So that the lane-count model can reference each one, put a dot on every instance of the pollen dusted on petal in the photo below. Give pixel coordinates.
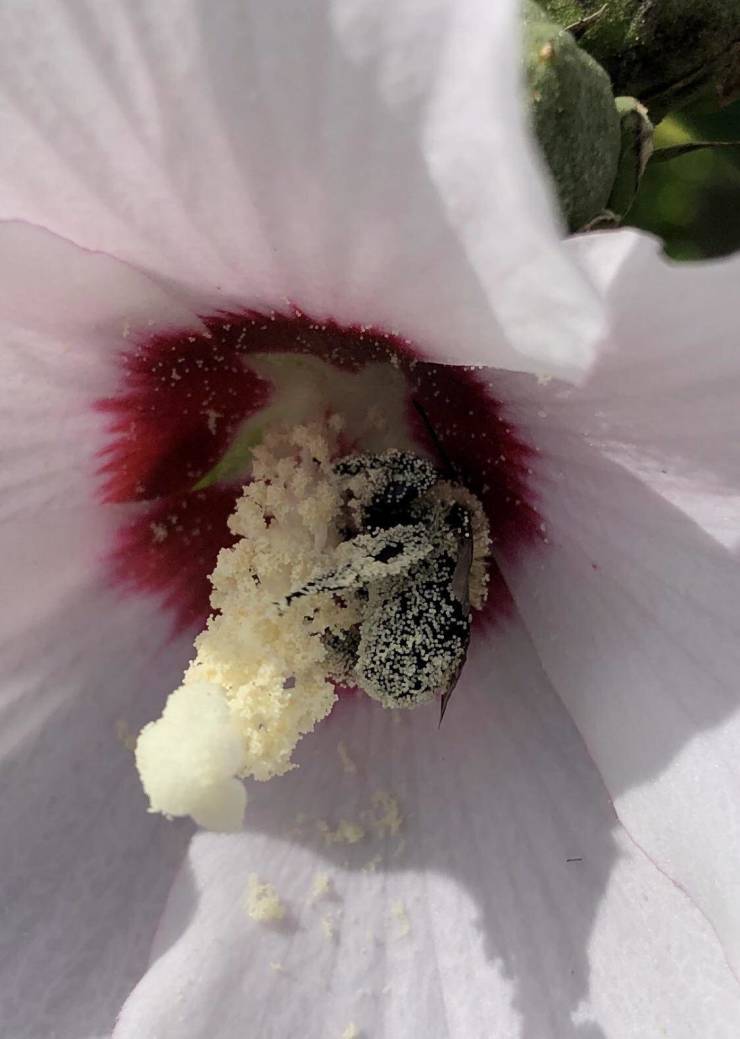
(262, 901)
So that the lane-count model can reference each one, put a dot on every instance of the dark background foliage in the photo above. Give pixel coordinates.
(693, 202)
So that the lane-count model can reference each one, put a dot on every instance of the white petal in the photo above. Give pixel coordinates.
(84, 868)
(368, 160)
(634, 606)
(470, 921)
(666, 392)
(65, 315)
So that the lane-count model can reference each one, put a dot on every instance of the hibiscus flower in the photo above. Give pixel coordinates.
(349, 181)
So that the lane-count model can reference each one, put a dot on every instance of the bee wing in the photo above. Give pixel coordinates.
(461, 576)
(460, 587)
(447, 693)
(368, 557)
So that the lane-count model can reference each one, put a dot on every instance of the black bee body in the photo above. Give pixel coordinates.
(406, 552)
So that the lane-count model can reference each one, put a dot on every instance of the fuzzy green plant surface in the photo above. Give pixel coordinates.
(574, 117)
(666, 53)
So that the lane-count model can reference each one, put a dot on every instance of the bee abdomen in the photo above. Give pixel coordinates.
(414, 636)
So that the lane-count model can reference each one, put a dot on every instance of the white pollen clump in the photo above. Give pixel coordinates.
(263, 902)
(351, 1031)
(258, 681)
(187, 759)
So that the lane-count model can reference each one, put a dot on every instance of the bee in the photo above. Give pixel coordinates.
(405, 553)
(460, 585)
(460, 588)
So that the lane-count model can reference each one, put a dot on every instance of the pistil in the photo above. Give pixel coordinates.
(358, 570)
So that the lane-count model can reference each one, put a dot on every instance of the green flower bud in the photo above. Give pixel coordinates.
(574, 116)
(666, 53)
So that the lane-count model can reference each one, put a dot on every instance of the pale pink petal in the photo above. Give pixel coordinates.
(85, 869)
(667, 383)
(367, 160)
(65, 317)
(634, 605)
(470, 921)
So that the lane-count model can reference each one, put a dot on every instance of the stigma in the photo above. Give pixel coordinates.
(349, 569)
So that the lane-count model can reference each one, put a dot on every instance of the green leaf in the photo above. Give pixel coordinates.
(677, 150)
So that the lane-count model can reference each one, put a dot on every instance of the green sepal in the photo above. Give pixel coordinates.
(236, 462)
(574, 117)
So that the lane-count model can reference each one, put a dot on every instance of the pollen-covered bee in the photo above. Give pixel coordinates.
(406, 552)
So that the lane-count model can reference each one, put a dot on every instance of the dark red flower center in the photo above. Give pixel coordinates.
(184, 397)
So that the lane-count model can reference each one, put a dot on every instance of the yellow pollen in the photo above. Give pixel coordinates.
(347, 832)
(262, 901)
(321, 887)
(385, 818)
(258, 681)
(399, 914)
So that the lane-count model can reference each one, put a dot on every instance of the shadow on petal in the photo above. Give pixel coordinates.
(86, 872)
(509, 852)
(487, 812)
